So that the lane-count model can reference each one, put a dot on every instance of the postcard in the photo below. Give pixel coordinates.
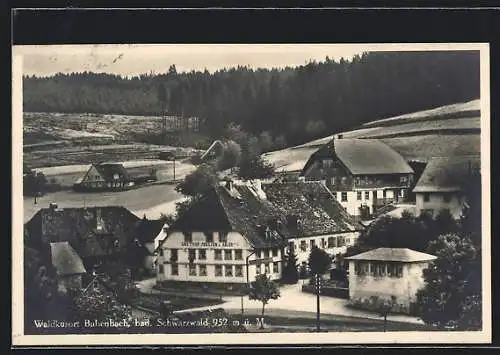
(251, 194)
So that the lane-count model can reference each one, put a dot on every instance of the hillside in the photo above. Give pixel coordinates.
(442, 131)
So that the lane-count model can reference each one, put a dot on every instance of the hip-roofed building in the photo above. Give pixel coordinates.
(364, 174)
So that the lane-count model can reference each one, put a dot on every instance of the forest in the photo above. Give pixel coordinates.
(294, 104)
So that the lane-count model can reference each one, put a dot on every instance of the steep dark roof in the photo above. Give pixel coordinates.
(363, 156)
(148, 229)
(446, 174)
(107, 170)
(241, 209)
(314, 206)
(65, 259)
(393, 254)
(80, 227)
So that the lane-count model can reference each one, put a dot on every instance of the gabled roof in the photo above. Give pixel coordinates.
(447, 174)
(243, 209)
(148, 229)
(393, 254)
(108, 170)
(65, 259)
(363, 156)
(91, 231)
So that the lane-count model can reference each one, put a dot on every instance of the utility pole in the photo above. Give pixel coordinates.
(174, 167)
(318, 285)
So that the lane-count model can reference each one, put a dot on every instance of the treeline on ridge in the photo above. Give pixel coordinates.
(300, 103)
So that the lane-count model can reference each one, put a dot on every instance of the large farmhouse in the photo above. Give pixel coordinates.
(441, 185)
(387, 275)
(240, 230)
(365, 174)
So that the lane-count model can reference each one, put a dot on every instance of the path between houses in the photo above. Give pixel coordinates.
(292, 301)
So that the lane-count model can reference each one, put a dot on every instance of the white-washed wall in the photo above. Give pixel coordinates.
(437, 202)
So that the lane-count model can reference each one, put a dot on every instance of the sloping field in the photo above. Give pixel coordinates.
(444, 131)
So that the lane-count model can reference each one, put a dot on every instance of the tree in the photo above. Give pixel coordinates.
(319, 263)
(266, 141)
(231, 156)
(452, 292)
(290, 271)
(386, 307)
(255, 168)
(199, 182)
(263, 289)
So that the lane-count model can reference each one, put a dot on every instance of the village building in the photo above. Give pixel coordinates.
(387, 275)
(97, 234)
(364, 174)
(213, 152)
(68, 266)
(146, 235)
(104, 177)
(441, 185)
(242, 229)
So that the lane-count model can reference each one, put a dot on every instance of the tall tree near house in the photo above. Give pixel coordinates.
(290, 271)
(319, 263)
(231, 156)
(263, 289)
(255, 168)
(199, 182)
(452, 292)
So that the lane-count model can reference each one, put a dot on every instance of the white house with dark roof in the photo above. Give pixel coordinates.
(240, 230)
(364, 174)
(442, 182)
(68, 265)
(387, 274)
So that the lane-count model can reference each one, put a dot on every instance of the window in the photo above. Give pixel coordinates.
(359, 195)
(347, 241)
(332, 181)
(447, 198)
(192, 255)
(202, 254)
(175, 269)
(367, 195)
(209, 237)
(203, 270)
(403, 179)
(173, 255)
(238, 254)
(266, 254)
(323, 243)
(238, 271)
(312, 243)
(218, 254)
(267, 268)
(291, 246)
(257, 269)
(218, 270)
(223, 237)
(344, 197)
(331, 242)
(275, 252)
(303, 245)
(192, 270)
(379, 270)
(161, 269)
(228, 255)
(188, 237)
(276, 269)
(426, 197)
(161, 252)
(229, 270)
(340, 241)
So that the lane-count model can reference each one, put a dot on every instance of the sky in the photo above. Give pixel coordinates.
(129, 60)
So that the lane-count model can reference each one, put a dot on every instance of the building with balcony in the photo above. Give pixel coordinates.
(242, 229)
(364, 174)
(441, 186)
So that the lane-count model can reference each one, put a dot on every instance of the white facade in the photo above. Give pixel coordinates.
(333, 244)
(218, 258)
(433, 202)
(371, 283)
(352, 200)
